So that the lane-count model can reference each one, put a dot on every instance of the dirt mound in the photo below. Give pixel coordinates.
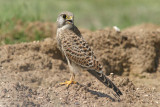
(30, 73)
(143, 27)
(126, 51)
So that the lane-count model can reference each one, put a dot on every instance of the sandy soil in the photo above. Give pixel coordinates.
(30, 73)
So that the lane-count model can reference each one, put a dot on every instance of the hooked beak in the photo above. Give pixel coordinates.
(69, 19)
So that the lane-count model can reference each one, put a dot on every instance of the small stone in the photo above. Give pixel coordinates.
(146, 95)
(116, 28)
(77, 103)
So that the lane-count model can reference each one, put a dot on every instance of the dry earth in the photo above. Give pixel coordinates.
(30, 73)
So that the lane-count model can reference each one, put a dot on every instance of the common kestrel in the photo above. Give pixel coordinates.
(77, 51)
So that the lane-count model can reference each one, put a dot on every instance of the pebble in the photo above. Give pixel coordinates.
(77, 103)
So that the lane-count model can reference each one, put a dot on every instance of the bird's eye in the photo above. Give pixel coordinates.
(64, 16)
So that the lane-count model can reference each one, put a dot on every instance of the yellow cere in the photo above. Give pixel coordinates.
(69, 17)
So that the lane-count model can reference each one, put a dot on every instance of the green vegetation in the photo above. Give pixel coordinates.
(90, 14)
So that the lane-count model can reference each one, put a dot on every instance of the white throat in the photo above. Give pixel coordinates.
(65, 27)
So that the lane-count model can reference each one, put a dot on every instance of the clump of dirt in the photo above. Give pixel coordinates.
(128, 51)
(143, 27)
(30, 73)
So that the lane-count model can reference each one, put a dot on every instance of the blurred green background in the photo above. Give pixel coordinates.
(90, 14)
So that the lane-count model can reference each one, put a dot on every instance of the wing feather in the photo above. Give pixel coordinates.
(78, 51)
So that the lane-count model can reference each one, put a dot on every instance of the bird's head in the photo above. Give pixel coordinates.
(65, 19)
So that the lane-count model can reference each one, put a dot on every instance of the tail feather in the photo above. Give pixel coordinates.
(106, 81)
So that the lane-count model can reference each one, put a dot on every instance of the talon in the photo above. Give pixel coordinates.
(69, 82)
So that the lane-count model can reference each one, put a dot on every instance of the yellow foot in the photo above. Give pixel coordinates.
(68, 82)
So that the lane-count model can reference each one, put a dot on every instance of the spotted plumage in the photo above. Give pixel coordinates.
(77, 51)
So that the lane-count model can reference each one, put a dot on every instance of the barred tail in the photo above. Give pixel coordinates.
(106, 81)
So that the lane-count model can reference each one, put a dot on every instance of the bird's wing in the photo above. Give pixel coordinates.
(78, 51)
(76, 30)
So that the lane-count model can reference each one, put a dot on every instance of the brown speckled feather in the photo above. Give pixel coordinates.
(77, 50)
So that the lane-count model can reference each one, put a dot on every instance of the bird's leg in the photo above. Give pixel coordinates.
(71, 81)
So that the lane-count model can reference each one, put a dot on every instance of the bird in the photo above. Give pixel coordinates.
(77, 51)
